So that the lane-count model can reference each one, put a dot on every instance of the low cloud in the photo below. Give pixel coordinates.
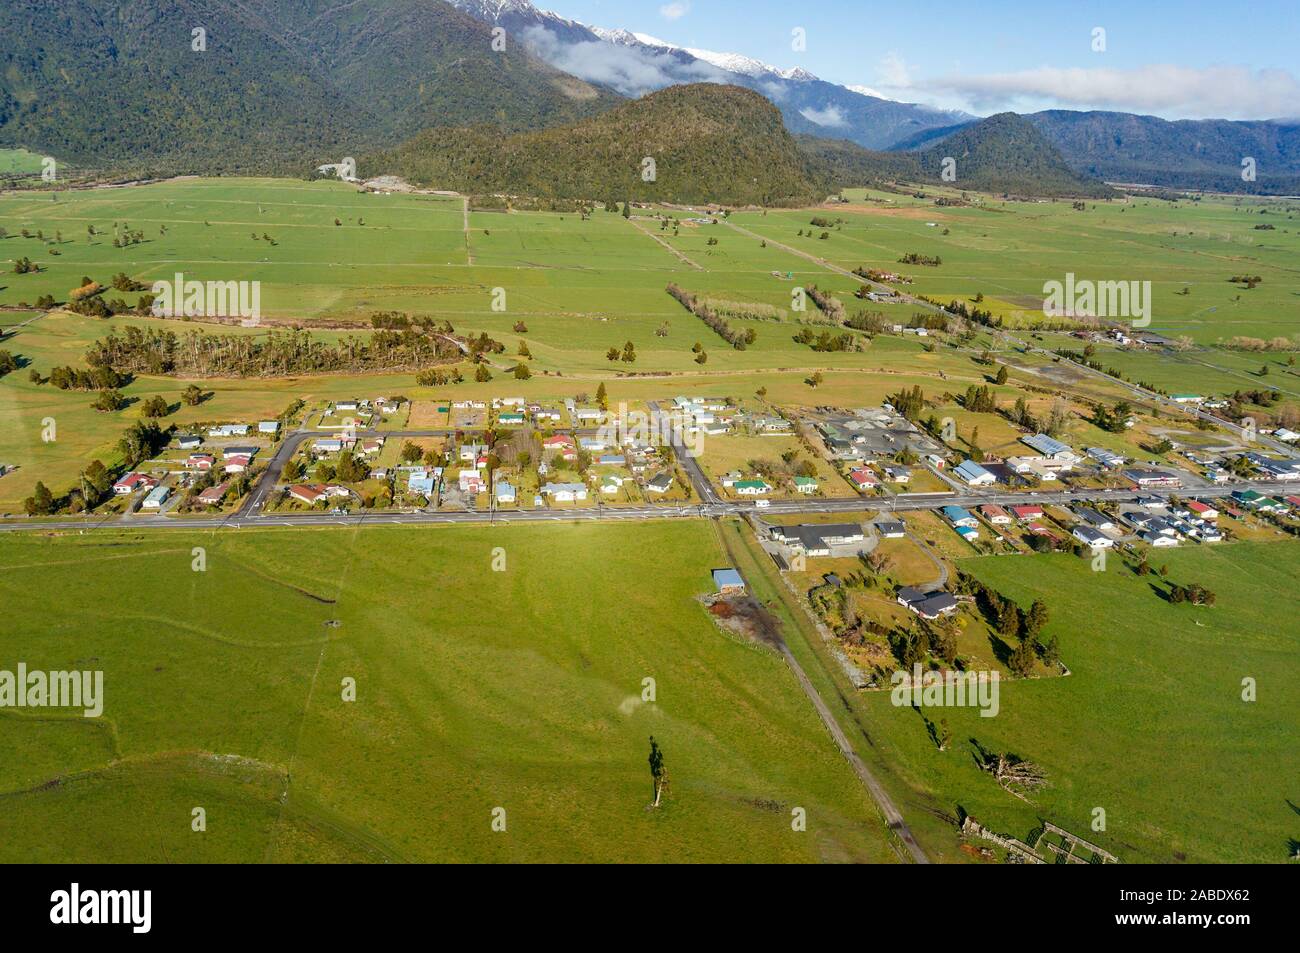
(632, 71)
(829, 116)
(1230, 92)
(893, 72)
(675, 11)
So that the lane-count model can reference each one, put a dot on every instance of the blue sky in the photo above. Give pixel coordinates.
(1189, 59)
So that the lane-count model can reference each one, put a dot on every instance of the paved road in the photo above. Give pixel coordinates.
(716, 508)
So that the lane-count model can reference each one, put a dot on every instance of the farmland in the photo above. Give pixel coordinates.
(1150, 725)
(222, 690)
(520, 689)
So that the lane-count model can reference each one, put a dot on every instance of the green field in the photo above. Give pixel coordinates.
(1150, 725)
(19, 161)
(475, 690)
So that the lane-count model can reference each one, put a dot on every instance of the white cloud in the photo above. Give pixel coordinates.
(893, 72)
(675, 10)
(1230, 92)
(829, 116)
(630, 70)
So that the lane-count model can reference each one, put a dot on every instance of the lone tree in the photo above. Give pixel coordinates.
(657, 770)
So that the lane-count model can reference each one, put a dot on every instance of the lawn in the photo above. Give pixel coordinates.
(476, 689)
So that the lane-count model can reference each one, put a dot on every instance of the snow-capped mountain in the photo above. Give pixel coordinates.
(633, 64)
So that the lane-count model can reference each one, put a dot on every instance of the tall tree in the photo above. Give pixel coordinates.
(657, 770)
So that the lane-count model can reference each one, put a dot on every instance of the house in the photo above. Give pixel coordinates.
(233, 451)
(268, 426)
(728, 582)
(934, 605)
(1027, 513)
(1091, 537)
(345, 406)
(588, 415)
(558, 441)
(891, 529)
(906, 595)
(930, 605)
(959, 516)
(511, 418)
(611, 484)
(967, 533)
(898, 474)
(592, 444)
(200, 461)
(156, 497)
(995, 514)
(1095, 517)
(1145, 478)
(327, 445)
(818, 539)
(1283, 433)
(1203, 510)
(805, 485)
(213, 495)
(546, 415)
(1188, 398)
(936, 461)
(472, 481)
(237, 464)
(565, 492)
(422, 482)
(379, 473)
(770, 425)
(309, 493)
(1159, 540)
(132, 482)
(313, 493)
(863, 478)
(751, 487)
(505, 492)
(1247, 498)
(660, 483)
(228, 430)
(1045, 468)
(1108, 459)
(612, 459)
(470, 452)
(371, 446)
(974, 474)
(1050, 448)
(188, 441)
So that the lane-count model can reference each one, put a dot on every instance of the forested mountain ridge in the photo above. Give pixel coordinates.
(707, 142)
(1001, 154)
(269, 86)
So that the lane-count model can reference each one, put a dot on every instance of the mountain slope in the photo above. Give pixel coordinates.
(634, 63)
(709, 143)
(1204, 154)
(1002, 154)
(281, 86)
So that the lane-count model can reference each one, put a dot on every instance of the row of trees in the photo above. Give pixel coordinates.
(701, 309)
(200, 354)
